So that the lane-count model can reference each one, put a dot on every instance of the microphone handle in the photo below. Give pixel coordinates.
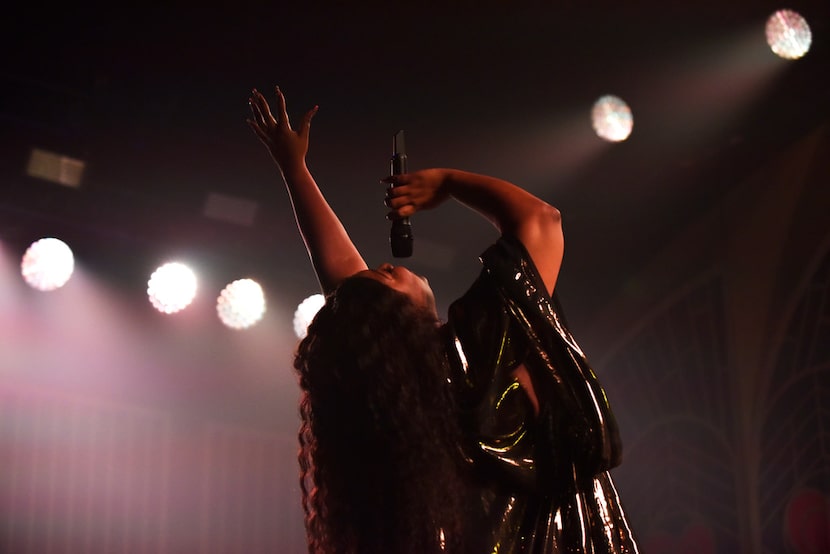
(400, 237)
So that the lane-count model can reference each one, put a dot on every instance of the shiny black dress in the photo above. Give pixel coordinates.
(544, 480)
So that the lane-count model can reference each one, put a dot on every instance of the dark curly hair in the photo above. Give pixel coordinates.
(379, 439)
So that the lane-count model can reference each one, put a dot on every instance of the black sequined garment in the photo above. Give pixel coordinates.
(544, 479)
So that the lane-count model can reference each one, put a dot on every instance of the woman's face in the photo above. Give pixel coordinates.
(404, 281)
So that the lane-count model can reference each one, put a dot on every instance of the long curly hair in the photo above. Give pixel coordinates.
(379, 439)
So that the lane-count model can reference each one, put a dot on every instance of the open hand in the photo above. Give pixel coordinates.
(287, 147)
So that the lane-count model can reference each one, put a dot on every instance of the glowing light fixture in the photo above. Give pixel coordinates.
(241, 304)
(612, 119)
(47, 264)
(171, 287)
(305, 313)
(788, 34)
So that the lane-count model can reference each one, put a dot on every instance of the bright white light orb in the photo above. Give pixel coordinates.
(172, 287)
(306, 311)
(241, 304)
(612, 119)
(47, 264)
(788, 34)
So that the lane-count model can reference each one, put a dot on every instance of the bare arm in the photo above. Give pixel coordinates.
(333, 254)
(513, 210)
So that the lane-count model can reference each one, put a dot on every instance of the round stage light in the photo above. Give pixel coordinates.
(305, 313)
(241, 304)
(788, 34)
(172, 287)
(47, 264)
(611, 118)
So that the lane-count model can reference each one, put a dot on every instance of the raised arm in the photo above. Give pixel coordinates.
(333, 254)
(513, 210)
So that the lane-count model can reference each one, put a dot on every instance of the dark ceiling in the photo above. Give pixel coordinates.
(154, 100)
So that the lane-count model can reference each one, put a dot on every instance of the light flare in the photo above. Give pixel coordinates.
(612, 119)
(47, 264)
(788, 34)
(172, 287)
(241, 304)
(305, 313)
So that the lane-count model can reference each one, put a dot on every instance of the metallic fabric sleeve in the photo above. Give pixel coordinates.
(544, 482)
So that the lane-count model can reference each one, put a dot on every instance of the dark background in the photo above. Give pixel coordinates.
(154, 99)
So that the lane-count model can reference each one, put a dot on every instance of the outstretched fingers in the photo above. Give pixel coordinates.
(282, 112)
(305, 127)
(256, 110)
(260, 109)
(257, 129)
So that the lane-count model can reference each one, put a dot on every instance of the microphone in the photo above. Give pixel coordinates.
(400, 237)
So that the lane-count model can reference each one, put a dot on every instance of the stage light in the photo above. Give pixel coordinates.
(171, 287)
(788, 34)
(47, 264)
(306, 311)
(241, 304)
(612, 119)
